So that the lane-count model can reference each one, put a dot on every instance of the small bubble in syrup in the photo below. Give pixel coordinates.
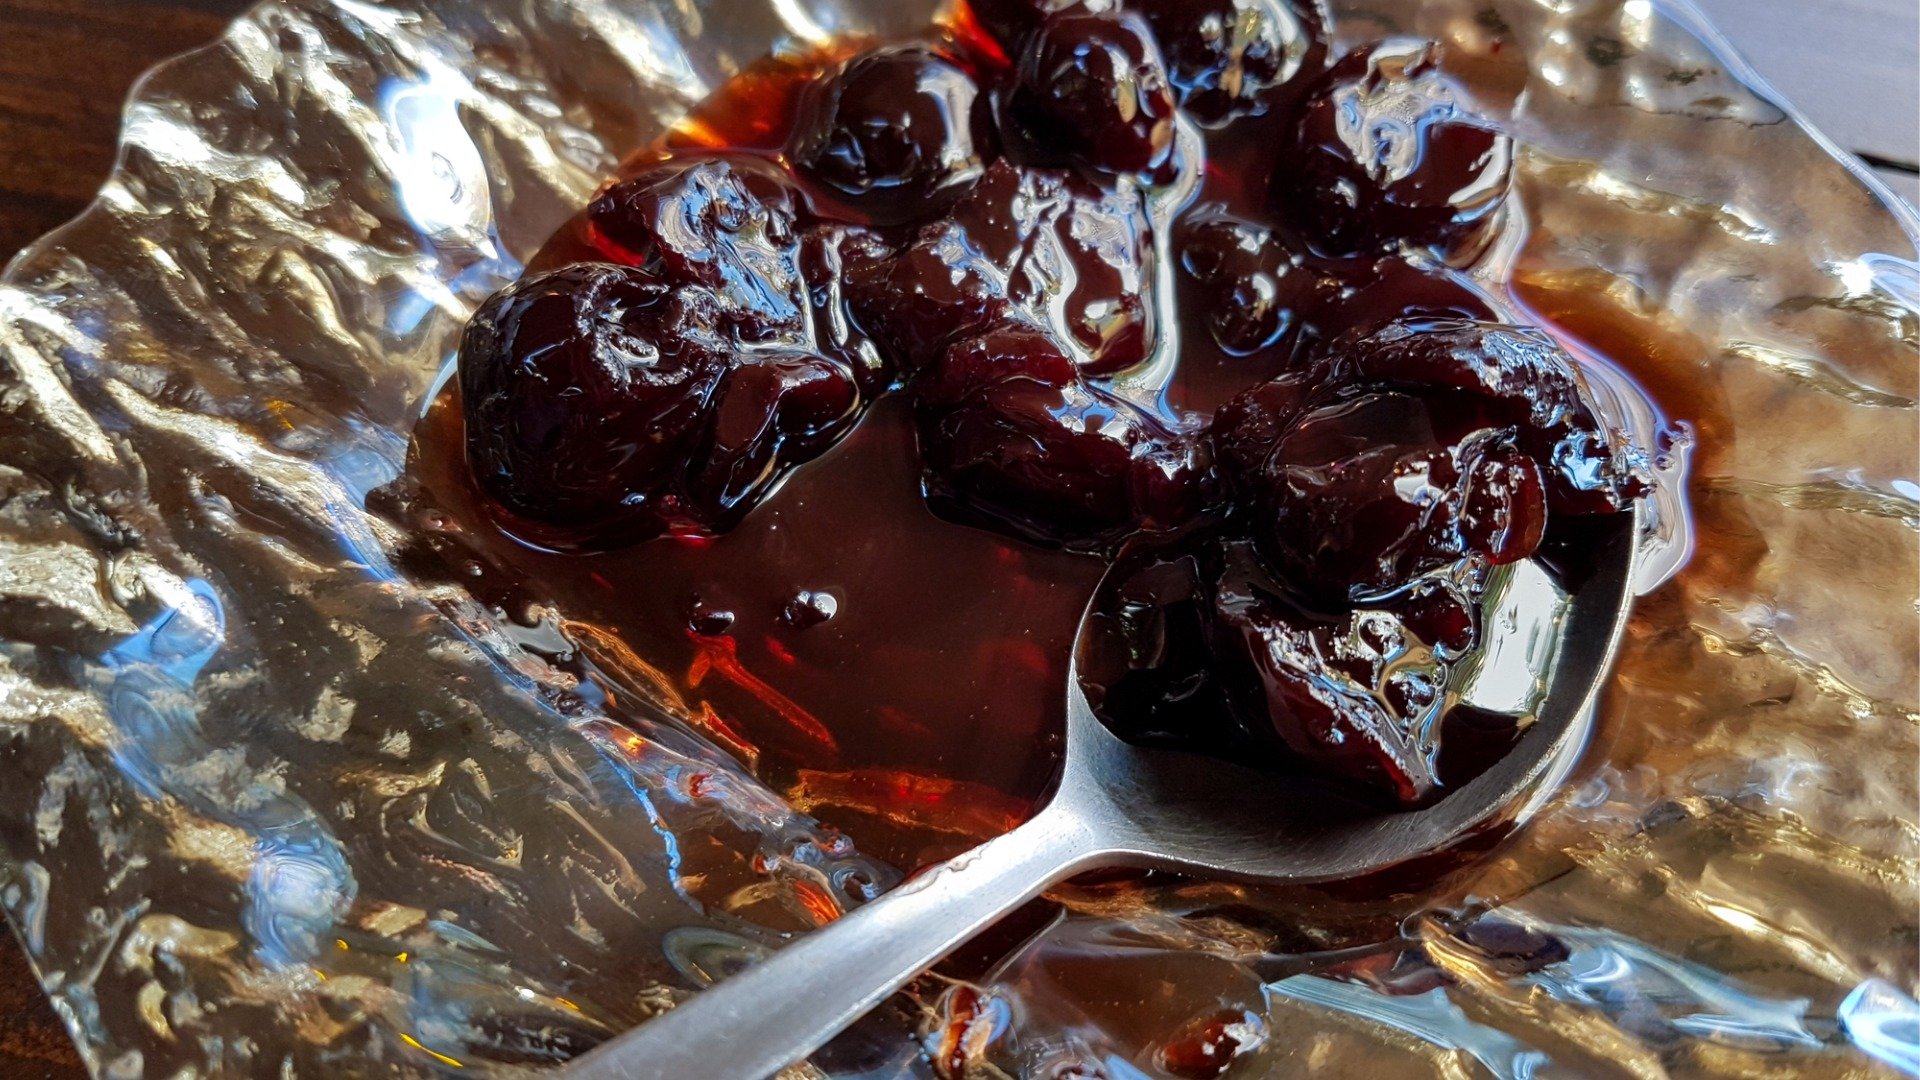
(808, 609)
(708, 621)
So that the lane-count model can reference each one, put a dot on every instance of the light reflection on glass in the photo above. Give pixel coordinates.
(1430, 1017)
(1646, 990)
(1885, 1023)
(300, 884)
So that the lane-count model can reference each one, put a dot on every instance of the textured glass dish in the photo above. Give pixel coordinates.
(271, 808)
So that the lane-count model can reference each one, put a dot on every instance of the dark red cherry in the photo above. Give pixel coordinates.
(1386, 155)
(1013, 350)
(1258, 293)
(1354, 296)
(1247, 428)
(584, 389)
(1503, 514)
(1226, 57)
(734, 225)
(898, 134)
(1364, 493)
(1254, 285)
(772, 410)
(1042, 245)
(1093, 87)
(605, 403)
(829, 256)
(1525, 379)
(1415, 445)
(725, 223)
(1357, 696)
(1012, 436)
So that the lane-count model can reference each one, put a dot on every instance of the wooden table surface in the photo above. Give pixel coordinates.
(1851, 64)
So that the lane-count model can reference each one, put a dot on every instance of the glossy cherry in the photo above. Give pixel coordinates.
(1525, 379)
(1358, 695)
(897, 134)
(1416, 445)
(1257, 292)
(1254, 286)
(1092, 86)
(773, 409)
(729, 224)
(585, 388)
(1011, 433)
(609, 402)
(829, 257)
(1386, 155)
(1366, 492)
(1044, 246)
(1228, 57)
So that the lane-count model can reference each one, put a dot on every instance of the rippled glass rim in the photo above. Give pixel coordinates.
(1689, 15)
(1682, 12)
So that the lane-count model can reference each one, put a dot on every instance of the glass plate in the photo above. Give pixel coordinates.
(271, 807)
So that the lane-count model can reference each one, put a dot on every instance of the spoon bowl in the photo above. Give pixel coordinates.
(1178, 811)
(1121, 805)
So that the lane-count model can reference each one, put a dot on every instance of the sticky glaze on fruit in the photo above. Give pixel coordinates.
(1234, 58)
(1048, 247)
(1014, 432)
(1091, 87)
(1308, 481)
(898, 134)
(1386, 155)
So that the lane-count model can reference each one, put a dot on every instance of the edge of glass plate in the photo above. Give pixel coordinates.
(1683, 12)
(1695, 21)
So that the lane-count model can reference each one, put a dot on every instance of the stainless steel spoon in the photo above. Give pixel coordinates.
(1119, 805)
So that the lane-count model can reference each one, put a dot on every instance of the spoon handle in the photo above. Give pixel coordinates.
(787, 1005)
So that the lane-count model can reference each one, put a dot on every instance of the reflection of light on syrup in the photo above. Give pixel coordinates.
(1623, 366)
(754, 113)
(721, 655)
(948, 806)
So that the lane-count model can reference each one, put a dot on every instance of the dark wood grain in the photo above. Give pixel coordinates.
(64, 75)
(65, 71)
(32, 1041)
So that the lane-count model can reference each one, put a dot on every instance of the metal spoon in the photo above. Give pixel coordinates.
(1120, 805)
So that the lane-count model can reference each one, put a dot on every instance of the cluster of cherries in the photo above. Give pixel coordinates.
(976, 222)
